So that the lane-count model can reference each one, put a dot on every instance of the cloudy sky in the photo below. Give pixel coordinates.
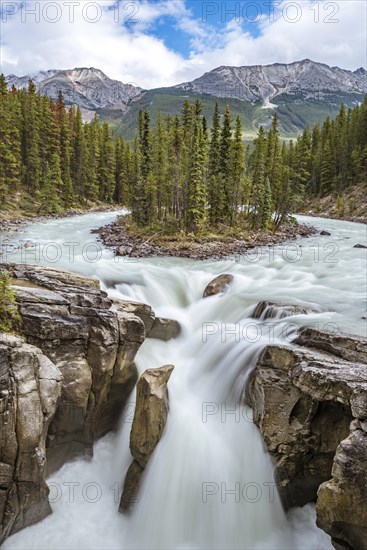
(156, 43)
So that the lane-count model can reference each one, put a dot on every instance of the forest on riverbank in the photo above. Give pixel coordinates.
(184, 174)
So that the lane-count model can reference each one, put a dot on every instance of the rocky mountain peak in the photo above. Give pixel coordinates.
(90, 88)
(305, 80)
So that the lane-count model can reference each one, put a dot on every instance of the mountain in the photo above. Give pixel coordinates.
(89, 88)
(303, 92)
(302, 80)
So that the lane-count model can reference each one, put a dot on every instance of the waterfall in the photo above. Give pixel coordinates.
(209, 483)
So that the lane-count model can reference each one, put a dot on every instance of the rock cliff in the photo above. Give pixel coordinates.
(310, 404)
(30, 390)
(93, 343)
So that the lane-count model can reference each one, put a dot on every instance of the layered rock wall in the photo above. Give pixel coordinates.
(93, 343)
(310, 404)
(30, 391)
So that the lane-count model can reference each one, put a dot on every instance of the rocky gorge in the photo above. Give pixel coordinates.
(66, 379)
(64, 382)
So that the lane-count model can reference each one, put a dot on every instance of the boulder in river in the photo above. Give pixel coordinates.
(270, 310)
(218, 285)
(143, 311)
(149, 421)
(164, 329)
(124, 250)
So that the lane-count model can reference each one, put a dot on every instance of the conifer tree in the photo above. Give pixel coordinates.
(258, 178)
(225, 191)
(238, 168)
(327, 179)
(159, 168)
(10, 159)
(265, 207)
(107, 164)
(65, 151)
(78, 153)
(49, 194)
(196, 190)
(31, 140)
(273, 164)
(120, 194)
(214, 169)
(175, 169)
(178, 174)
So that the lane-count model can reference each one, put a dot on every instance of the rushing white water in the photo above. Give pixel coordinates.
(209, 483)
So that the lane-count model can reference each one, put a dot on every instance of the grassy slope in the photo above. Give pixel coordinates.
(353, 205)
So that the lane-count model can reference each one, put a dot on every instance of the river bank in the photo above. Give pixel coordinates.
(15, 222)
(118, 236)
(333, 216)
(350, 207)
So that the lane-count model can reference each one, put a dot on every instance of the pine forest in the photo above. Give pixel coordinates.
(185, 173)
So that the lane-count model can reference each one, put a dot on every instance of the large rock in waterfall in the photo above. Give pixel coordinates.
(155, 327)
(270, 310)
(218, 285)
(310, 404)
(30, 390)
(149, 421)
(164, 329)
(143, 311)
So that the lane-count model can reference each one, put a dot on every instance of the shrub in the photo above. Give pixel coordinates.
(9, 316)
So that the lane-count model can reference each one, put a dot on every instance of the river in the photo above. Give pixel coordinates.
(209, 483)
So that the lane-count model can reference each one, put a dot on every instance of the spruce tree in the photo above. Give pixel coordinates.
(10, 145)
(65, 152)
(265, 206)
(160, 168)
(214, 169)
(225, 191)
(239, 183)
(196, 193)
(78, 153)
(31, 140)
(49, 194)
(120, 194)
(258, 178)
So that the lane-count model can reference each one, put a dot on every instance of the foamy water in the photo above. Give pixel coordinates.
(209, 483)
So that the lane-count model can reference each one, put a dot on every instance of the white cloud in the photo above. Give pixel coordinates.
(133, 54)
(333, 36)
(107, 44)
